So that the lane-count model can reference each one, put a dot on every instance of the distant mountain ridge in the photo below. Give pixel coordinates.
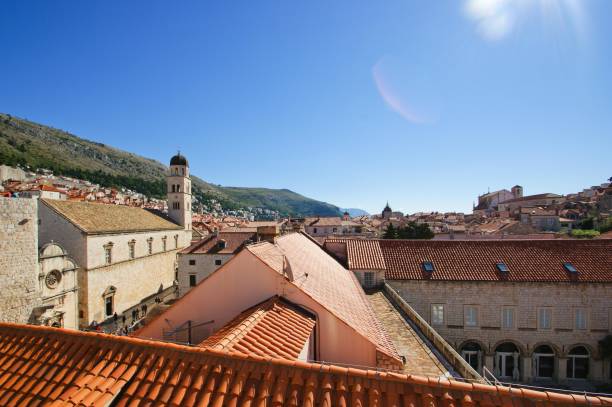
(23, 142)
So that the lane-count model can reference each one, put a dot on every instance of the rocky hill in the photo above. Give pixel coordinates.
(26, 143)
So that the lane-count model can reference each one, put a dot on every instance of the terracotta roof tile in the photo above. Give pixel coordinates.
(49, 366)
(362, 254)
(327, 282)
(274, 328)
(234, 241)
(527, 260)
(102, 218)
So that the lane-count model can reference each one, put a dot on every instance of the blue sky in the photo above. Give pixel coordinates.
(425, 104)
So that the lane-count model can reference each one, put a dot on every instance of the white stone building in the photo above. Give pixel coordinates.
(125, 254)
(527, 311)
(202, 258)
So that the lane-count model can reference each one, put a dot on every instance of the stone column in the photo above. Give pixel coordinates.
(561, 370)
(488, 362)
(596, 370)
(526, 369)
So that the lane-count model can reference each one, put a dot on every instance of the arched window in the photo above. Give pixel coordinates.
(472, 353)
(507, 361)
(150, 245)
(578, 363)
(543, 362)
(176, 241)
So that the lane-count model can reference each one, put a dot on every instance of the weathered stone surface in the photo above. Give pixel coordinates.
(19, 293)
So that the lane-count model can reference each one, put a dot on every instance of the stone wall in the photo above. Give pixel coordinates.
(203, 267)
(18, 259)
(133, 280)
(489, 298)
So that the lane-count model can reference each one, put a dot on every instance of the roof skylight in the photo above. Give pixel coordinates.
(428, 266)
(503, 267)
(570, 267)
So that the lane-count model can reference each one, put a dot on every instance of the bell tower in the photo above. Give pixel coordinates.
(179, 191)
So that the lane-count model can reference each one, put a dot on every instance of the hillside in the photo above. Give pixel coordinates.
(26, 143)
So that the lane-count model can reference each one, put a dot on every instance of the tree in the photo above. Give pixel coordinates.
(390, 232)
(410, 231)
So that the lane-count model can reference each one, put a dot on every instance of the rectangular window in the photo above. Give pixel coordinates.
(164, 243)
(471, 315)
(437, 314)
(108, 306)
(192, 280)
(176, 241)
(218, 262)
(108, 254)
(507, 317)
(544, 318)
(368, 279)
(192, 262)
(580, 318)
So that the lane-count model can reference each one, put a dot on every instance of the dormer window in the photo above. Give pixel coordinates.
(570, 267)
(502, 267)
(222, 244)
(428, 267)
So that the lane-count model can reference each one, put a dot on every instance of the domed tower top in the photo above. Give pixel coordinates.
(179, 159)
(386, 213)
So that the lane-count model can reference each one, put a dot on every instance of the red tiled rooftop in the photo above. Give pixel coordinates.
(527, 260)
(234, 241)
(274, 328)
(327, 282)
(51, 366)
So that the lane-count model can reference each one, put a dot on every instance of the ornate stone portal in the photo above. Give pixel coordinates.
(58, 287)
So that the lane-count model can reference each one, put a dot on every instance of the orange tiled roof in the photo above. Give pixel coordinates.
(275, 328)
(234, 242)
(475, 260)
(327, 282)
(330, 221)
(94, 218)
(41, 365)
(362, 254)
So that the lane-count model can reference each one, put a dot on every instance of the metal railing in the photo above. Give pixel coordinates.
(186, 330)
(486, 374)
(459, 363)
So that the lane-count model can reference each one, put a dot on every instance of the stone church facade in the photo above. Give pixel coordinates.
(124, 254)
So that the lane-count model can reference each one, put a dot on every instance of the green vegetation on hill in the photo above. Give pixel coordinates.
(25, 143)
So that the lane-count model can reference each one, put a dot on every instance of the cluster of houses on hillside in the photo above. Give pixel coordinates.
(19, 183)
(546, 212)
